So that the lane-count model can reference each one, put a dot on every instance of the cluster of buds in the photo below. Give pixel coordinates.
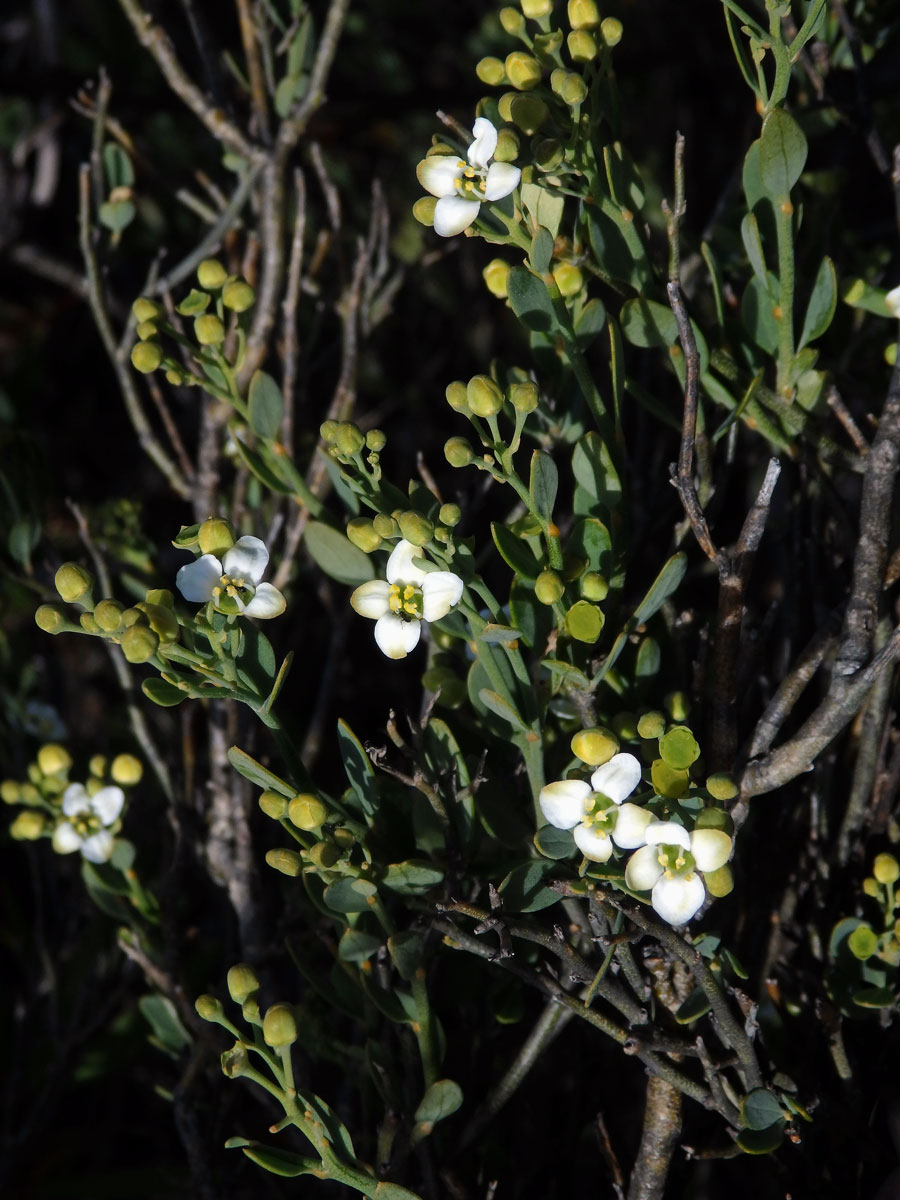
(346, 443)
(278, 1024)
(481, 401)
(864, 942)
(414, 527)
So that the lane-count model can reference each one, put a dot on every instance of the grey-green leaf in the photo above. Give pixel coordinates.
(336, 555)
(782, 153)
(544, 483)
(266, 405)
(822, 303)
(530, 300)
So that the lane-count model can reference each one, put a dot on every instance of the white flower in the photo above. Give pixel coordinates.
(409, 596)
(892, 301)
(462, 187)
(669, 866)
(233, 584)
(596, 810)
(90, 818)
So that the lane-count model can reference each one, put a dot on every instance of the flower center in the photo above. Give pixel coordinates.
(600, 813)
(470, 182)
(405, 599)
(232, 594)
(86, 824)
(675, 861)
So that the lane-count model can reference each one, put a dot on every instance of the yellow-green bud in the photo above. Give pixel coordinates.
(274, 805)
(496, 276)
(423, 210)
(886, 869)
(242, 982)
(97, 765)
(715, 818)
(594, 746)
(49, 618)
(512, 21)
(126, 770)
(569, 87)
(385, 526)
(457, 398)
(677, 705)
(528, 112)
(349, 439)
(146, 357)
(324, 854)
(9, 791)
(375, 440)
(535, 9)
(362, 534)
(507, 146)
(88, 624)
(73, 582)
(524, 396)
(594, 586)
(568, 278)
(28, 826)
(490, 71)
(484, 396)
(131, 616)
(211, 274)
(670, 782)
(209, 330)
(870, 887)
(280, 1026)
(28, 794)
(416, 528)
(215, 536)
(108, 615)
(52, 758)
(307, 811)
(611, 31)
(504, 105)
(523, 70)
(208, 1008)
(458, 452)
(161, 620)
(288, 862)
(582, 46)
(145, 309)
(450, 514)
(147, 330)
(139, 644)
(584, 622)
(34, 773)
(548, 154)
(328, 430)
(583, 14)
(548, 587)
(719, 882)
(652, 724)
(250, 1011)
(721, 786)
(238, 295)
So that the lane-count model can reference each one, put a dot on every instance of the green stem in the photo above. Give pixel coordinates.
(784, 226)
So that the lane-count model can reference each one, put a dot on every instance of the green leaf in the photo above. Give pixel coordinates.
(523, 888)
(441, 1100)
(589, 323)
(22, 538)
(276, 1161)
(649, 657)
(544, 205)
(256, 657)
(407, 951)
(613, 252)
(412, 877)
(567, 673)
(194, 303)
(590, 539)
(257, 465)
(760, 1109)
(782, 153)
(752, 177)
(357, 768)
(694, 1007)
(502, 634)
(593, 469)
(757, 316)
(166, 695)
(625, 183)
(648, 323)
(541, 251)
(543, 484)
(161, 1015)
(187, 537)
(554, 843)
(753, 245)
(117, 164)
(761, 1141)
(357, 946)
(530, 301)
(874, 997)
(528, 614)
(515, 551)
(258, 774)
(335, 554)
(350, 895)
(822, 303)
(266, 405)
(116, 215)
(502, 708)
(661, 589)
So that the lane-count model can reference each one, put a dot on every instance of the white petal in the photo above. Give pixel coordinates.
(676, 900)
(892, 301)
(711, 848)
(65, 840)
(396, 637)
(439, 174)
(482, 148)
(108, 803)
(501, 179)
(452, 215)
(617, 778)
(631, 824)
(267, 602)
(400, 567)
(562, 803)
(643, 869)
(98, 847)
(667, 833)
(592, 843)
(371, 599)
(196, 580)
(75, 800)
(441, 591)
(247, 559)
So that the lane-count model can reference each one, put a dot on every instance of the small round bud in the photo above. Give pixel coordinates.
(450, 514)
(523, 70)
(721, 786)
(504, 105)
(582, 46)
(871, 888)
(484, 396)
(250, 1011)
(126, 770)
(385, 526)
(161, 620)
(457, 398)
(215, 536)
(52, 758)
(146, 357)
(307, 811)
(274, 805)
(594, 586)
(132, 616)
(507, 146)
(28, 794)
(238, 295)
(528, 112)
(288, 862)
(886, 869)
(242, 982)
(375, 440)
(139, 644)
(49, 618)
(652, 725)
(677, 705)
(512, 21)
(548, 587)
(349, 439)
(594, 746)
(584, 622)
(611, 31)
(328, 431)
(490, 71)
(715, 818)
(524, 396)
(423, 210)
(362, 534)
(211, 274)
(458, 452)
(415, 528)
(147, 330)
(324, 855)
(280, 1026)
(208, 1008)
(570, 88)
(88, 624)
(108, 615)
(97, 765)
(535, 9)
(209, 330)
(145, 309)
(496, 276)
(73, 582)
(583, 14)
(28, 826)
(9, 791)
(719, 882)
(568, 278)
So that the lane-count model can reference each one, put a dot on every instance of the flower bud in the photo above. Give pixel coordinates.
(49, 618)
(139, 644)
(250, 1011)
(871, 888)
(211, 274)
(274, 805)
(375, 440)
(504, 105)
(583, 14)
(458, 452)
(132, 616)
(507, 146)
(594, 586)
(238, 295)
(52, 758)
(108, 615)
(721, 786)
(568, 278)
(415, 528)
(523, 70)
(208, 1008)
(484, 396)
(490, 71)
(582, 46)
(324, 854)
(496, 276)
(423, 210)
(456, 396)
(594, 746)
(349, 439)
(161, 620)
(328, 430)
(584, 622)
(715, 818)
(570, 88)
(886, 869)
(677, 705)
(535, 9)
(9, 791)
(146, 357)
(611, 31)
(528, 112)
(209, 330)
(307, 811)
(126, 770)
(362, 534)
(385, 526)
(87, 623)
(147, 330)
(145, 309)
(719, 882)
(548, 587)
(97, 765)
(28, 826)
(73, 582)
(450, 514)
(652, 725)
(280, 1026)
(512, 21)
(28, 794)
(242, 982)
(288, 862)
(524, 396)
(215, 536)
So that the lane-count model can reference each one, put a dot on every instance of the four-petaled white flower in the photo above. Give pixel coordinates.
(233, 585)
(669, 866)
(89, 819)
(597, 811)
(409, 596)
(462, 187)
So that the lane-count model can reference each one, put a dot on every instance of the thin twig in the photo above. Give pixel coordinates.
(289, 313)
(250, 42)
